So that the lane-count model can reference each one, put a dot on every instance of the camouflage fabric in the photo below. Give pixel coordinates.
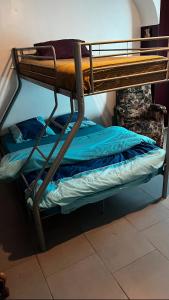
(135, 111)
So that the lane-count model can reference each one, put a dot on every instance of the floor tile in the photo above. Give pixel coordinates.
(116, 227)
(26, 281)
(148, 216)
(146, 278)
(65, 254)
(87, 279)
(165, 202)
(158, 234)
(118, 251)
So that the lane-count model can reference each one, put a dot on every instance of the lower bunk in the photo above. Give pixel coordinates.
(97, 165)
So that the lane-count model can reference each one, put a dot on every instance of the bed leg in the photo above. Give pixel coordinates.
(166, 167)
(165, 183)
(39, 229)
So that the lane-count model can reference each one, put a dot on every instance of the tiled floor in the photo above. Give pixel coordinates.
(121, 254)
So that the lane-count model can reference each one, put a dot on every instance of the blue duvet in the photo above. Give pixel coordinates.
(70, 170)
(107, 142)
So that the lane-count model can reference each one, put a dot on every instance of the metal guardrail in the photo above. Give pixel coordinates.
(125, 52)
(20, 52)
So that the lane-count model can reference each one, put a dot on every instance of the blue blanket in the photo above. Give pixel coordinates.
(69, 170)
(103, 143)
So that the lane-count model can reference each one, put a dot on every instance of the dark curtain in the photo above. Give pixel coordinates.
(162, 90)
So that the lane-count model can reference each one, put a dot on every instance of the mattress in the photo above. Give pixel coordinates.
(63, 77)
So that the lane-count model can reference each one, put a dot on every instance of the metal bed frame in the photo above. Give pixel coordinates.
(19, 53)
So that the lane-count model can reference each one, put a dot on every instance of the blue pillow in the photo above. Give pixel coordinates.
(63, 118)
(29, 130)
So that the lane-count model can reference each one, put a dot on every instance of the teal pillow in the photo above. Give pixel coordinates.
(84, 124)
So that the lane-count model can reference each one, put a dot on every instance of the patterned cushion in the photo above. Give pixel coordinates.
(135, 111)
(133, 102)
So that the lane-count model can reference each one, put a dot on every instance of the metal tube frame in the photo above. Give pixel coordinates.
(80, 100)
(16, 92)
(58, 159)
(45, 165)
(166, 161)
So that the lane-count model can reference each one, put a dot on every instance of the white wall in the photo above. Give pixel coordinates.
(24, 22)
(157, 4)
(149, 11)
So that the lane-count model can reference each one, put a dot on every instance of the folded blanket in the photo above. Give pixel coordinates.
(106, 142)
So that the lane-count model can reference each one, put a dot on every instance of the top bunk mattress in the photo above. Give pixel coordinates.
(63, 77)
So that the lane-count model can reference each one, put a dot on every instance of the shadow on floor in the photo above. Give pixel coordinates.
(18, 238)
(15, 237)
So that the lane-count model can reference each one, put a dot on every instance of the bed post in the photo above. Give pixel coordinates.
(166, 167)
(166, 162)
(17, 90)
(64, 148)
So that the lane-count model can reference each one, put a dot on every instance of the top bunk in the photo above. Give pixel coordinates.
(123, 66)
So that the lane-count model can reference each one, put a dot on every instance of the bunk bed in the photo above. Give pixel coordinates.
(97, 154)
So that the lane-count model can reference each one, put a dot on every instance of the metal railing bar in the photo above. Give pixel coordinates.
(37, 47)
(91, 68)
(57, 124)
(138, 52)
(121, 49)
(153, 49)
(167, 75)
(35, 56)
(168, 64)
(41, 153)
(125, 41)
(25, 180)
(33, 48)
